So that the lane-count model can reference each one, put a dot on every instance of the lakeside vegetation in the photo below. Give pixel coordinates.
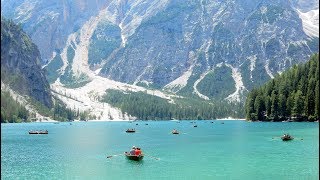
(293, 95)
(149, 107)
(13, 112)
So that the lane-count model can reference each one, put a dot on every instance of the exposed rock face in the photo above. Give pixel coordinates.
(171, 44)
(20, 64)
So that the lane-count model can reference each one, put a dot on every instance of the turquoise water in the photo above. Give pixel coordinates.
(233, 150)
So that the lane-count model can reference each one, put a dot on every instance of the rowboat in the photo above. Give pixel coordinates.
(130, 130)
(38, 132)
(286, 137)
(175, 132)
(134, 157)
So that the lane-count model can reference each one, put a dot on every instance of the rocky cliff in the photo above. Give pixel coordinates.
(20, 64)
(173, 45)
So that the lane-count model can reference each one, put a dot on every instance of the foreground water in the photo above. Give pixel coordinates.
(233, 150)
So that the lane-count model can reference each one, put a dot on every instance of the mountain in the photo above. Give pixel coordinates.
(212, 50)
(292, 95)
(20, 64)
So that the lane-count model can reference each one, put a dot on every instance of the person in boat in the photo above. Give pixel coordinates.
(286, 136)
(138, 152)
(133, 150)
(175, 131)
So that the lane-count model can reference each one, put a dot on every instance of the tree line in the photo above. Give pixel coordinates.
(292, 95)
(13, 112)
(149, 107)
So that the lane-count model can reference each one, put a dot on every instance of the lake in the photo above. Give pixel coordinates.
(233, 150)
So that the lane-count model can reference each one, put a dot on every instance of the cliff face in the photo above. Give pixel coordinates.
(173, 45)
(20, 64)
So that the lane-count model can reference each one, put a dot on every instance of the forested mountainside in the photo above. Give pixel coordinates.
(292, 95)
(20, 64)
(180, 46)
(148, 107)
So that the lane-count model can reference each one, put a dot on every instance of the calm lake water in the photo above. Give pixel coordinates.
(233, 150)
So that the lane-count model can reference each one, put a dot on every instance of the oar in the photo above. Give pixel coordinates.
(152, 157)
(114, 155)
(276, 137)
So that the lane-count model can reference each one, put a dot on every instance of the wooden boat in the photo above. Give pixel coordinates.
(175, 132)
(130, 131)
(133, 157)
(286, 137)
(38, 132)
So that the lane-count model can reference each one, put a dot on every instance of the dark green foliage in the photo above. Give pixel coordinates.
(11, 110)
(70, 54)
(217, 84)
(313, 44)
(292, 95)
(259, 75)
(105, 39)
(52, 68)
(14, 112)
(145, 106)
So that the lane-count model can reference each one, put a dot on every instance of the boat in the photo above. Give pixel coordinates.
(286, 137)
(175, 132)
(130, 131)
(38, 132)
(195, 126)
(134, 157)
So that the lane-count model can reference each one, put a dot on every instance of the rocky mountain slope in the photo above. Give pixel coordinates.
(206, 49)
(20, 64)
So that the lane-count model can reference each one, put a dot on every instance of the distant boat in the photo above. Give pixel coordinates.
(38, 132)
(286, 137)
(130, 131)
(175, 132)
(195, 126)
(134, 157)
